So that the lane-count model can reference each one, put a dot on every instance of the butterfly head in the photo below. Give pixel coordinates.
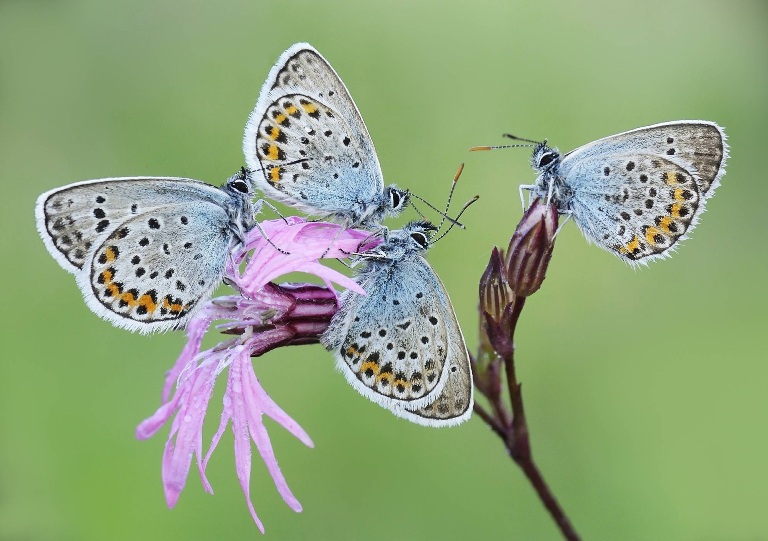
(545, 159)
(242, 211)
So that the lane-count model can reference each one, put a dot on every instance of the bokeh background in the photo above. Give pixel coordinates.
(645, 390)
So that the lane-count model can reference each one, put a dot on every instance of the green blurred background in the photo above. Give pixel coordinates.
(645, 390)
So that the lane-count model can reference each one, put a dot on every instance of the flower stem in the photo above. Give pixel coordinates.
(514, 432)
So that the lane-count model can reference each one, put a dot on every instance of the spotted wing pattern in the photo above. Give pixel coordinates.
(307, 143)
(639, 193)
(401, 346)
(156, 267)
(144, 250)
(73, 219)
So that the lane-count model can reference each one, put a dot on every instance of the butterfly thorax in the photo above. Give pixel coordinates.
(242, 212)
(390, 203)
(550, 184)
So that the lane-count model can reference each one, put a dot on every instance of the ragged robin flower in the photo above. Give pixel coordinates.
(261, 317)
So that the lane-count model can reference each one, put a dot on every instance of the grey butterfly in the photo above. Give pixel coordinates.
(400, 345)
(145, 250)
(639, 193)
(307, 145)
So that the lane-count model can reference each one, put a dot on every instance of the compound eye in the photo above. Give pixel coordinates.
(395, 198)
(546, 159)
(420, 238)
(240, 186)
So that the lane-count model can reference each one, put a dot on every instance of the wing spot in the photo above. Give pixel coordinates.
(630, 166)
(184, 220)
(606, 171)
(153, 223)
(140, 272)
(99, 213)
(433, 320)
(100, 199)
(102, 225)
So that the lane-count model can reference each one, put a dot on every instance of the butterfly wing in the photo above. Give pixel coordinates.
(306, 142)
(151, 272)
(637, 194)
(144, 250)
(74, 219)
(401, 346)
(698, 146)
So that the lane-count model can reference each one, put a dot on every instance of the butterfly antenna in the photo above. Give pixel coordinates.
(465, 207)
(509, 136)
(459, 171)
(516, 138)
(444, 214)
(417, 210)
(430, 205)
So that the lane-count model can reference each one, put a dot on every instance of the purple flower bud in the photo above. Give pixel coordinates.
(531, 247)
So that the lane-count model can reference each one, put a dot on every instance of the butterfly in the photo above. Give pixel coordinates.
(636, 194)
(308, 147)
(145, 251)
(400, 345)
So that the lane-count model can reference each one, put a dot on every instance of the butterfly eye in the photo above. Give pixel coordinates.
(240, 186)
(546, 159)
(420, 238)
(397, 197)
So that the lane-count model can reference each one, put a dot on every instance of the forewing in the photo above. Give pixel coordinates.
(636, 206)
(393, 344)
(697, 146)
(74, 219)
(306, 141)
(154, 269)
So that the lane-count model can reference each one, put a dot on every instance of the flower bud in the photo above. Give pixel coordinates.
(531, 248)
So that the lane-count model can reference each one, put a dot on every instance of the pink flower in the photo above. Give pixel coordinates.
(264, 316)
